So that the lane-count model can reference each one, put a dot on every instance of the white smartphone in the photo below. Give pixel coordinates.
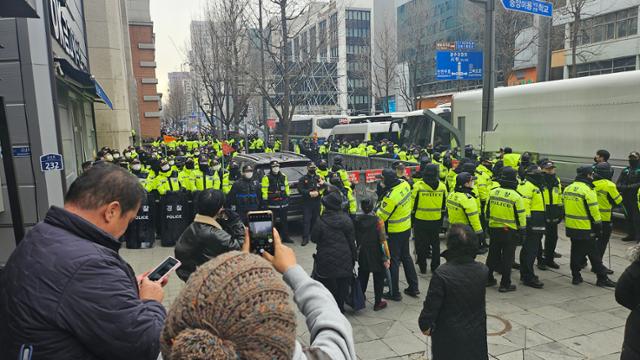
(162, 271)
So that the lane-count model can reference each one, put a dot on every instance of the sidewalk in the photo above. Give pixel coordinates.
(560, 322)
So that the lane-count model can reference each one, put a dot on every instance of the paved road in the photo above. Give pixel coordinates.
(561, 322)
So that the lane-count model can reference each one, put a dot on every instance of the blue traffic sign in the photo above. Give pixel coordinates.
(458, 65)
(536, 7)
(51, 162)
(21, 151)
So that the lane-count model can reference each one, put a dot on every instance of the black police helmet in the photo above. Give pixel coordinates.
(603, 170)
(337, 160)
(584, 170)
(431, 170)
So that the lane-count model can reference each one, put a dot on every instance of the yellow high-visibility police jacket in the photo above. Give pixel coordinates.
(533, 204)
(462, 208)
(505, 209)
(581, 210)
(428, 203)
(395, 208)
(608, 195)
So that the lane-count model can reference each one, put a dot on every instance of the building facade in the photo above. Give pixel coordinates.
(143, 56)
(110, 54)
(607, 42)
(49, 94)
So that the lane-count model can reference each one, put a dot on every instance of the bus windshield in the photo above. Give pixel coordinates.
(297, 128)
(417, 130)
(328, 123)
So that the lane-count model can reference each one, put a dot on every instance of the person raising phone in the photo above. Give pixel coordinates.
(237, 306)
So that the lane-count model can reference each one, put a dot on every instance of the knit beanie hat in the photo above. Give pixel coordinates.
(332, 200)
(234, 306)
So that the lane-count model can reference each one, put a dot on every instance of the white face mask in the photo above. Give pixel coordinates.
(196, 153)
(275, 169)
(116, 156)
(108, 157)
(248, 175)
(136, 167)
(127, 155)
(171, 162)
(216, 167)
(166, 168)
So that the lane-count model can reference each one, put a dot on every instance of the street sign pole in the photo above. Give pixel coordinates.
(489, 74)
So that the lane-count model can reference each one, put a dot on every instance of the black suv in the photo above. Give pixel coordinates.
(293, 165)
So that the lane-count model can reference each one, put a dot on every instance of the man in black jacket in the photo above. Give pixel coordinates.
(628, 184)
(67, 293)
(214, 231)
(310, 186)
(245, 194)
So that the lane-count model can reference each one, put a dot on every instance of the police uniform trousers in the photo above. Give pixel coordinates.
(280, 215)
(400, 253)
(427, 237)
(550, 240)
(529, 253)
(502, 252)
(632, 215)
(603, 238)
(310, 214)
(581, 247)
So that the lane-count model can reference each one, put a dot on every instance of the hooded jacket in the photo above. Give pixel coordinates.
(67, 292)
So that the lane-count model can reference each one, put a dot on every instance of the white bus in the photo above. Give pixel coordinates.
(367, 131)
(305, 126)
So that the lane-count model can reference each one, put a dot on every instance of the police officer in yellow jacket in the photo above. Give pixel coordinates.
(608, 196)
(554, 212)
(429, 203)
(507, 219)
(395, 210)
(583, 224)
(275, 194)
(530, 189)
(462, 206)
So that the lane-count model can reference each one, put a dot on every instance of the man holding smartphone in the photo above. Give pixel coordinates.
(66, 293)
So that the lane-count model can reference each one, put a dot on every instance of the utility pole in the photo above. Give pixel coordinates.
(489, 74)
(262, 73)
(544, 48)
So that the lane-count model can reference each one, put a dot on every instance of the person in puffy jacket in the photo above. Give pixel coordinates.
(628, 295)
(214, 231)
(454, 310)
(66, 293)
(335, 240)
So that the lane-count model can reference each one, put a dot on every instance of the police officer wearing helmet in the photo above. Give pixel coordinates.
(462, 206)
(323, 169)
(583, 224)
(429, 197)
(401, 172)
(507, 219)
(275, 195)
(338, 168)
(554, 212)
(310, 187)
(608, 196)
(244, 195)
(395, 210)
(530, 189)
(628, 185)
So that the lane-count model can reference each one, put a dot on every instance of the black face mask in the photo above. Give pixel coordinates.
(189, 166)
(322, 167)
(634, 162)
(312, 172)
(488, 166)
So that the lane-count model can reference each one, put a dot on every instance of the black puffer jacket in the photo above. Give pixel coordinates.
(205, 239)
(67, 292)
(335, 241)
(628, 295)
(455, 310)
(369, 231)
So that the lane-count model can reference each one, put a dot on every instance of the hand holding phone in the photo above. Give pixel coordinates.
(161, 272)
(285, 257)
(261, 237)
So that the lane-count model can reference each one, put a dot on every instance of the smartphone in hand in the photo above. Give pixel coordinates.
(261, 232)
(163, 270)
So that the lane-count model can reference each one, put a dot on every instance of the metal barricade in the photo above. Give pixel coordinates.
(351, 162)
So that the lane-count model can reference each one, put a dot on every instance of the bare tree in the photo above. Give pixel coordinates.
(175, 110)
(412, 50)
(219, 58)
(385, 60)
(509, 26)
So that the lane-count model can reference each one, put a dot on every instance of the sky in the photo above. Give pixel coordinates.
(171, 21)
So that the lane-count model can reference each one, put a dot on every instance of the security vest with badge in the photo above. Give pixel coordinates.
(534, 205)
(275, 190)
(506, 210)
(395, 207)
(582, 213)
(606, 190)
(429, 195)
(168, 182)
(462, 208)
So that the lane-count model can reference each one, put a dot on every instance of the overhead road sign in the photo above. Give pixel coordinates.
(459, 65)
(535, 7)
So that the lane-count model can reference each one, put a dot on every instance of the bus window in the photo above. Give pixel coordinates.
(417, 131)
(328, 123)
(297, 128)
(350, 137)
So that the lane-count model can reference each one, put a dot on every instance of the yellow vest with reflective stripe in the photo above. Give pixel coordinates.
(353, 205)
(428, 203)
(580, 207)
(608, 195)
(395, 208)
(462, 208)
(505, 208)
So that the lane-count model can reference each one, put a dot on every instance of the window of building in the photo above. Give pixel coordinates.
(607, 66)
(322, 39)
(610, 26)
(313, 51)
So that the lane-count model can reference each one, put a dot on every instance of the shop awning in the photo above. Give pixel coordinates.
(82, 80)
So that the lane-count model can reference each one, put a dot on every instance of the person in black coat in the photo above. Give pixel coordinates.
(214, 231)
(628, 295)
(335, 256)
(373, 251)
(245, 194)
(628, 184)
(454, 312)
(310, 187)
(65, 289)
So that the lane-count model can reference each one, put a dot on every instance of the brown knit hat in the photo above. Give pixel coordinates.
(233, 307)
